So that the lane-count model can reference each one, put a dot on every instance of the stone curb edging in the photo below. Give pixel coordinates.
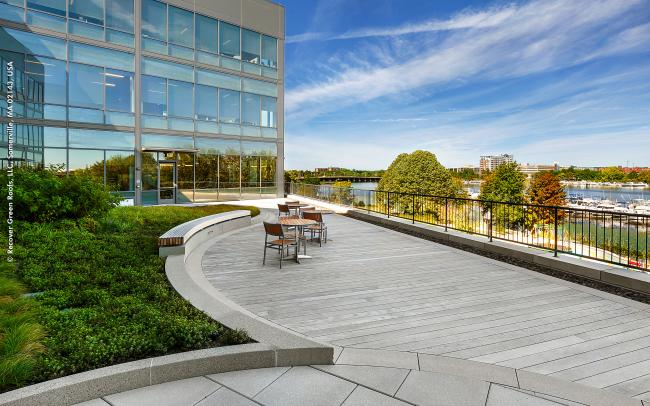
(589, 269)
(105, 381)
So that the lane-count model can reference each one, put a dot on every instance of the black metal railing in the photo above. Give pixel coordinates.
(619, 238)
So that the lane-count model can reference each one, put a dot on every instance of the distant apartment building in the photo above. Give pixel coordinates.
(490, 162)
(531, 169)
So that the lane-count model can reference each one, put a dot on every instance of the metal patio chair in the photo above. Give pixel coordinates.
(279, 241)
(320, 228)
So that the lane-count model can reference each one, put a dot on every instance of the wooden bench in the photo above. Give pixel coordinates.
(184, 237)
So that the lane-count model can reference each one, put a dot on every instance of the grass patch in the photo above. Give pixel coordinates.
(103, 297)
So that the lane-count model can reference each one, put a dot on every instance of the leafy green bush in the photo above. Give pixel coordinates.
(103, 292)
(20, 334)
(41, 195)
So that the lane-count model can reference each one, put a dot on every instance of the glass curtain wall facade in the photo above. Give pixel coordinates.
(163, 104)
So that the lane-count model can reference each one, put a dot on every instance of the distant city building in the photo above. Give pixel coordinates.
(530, 169)
(490, 162)
(472, 168)
(329, 169)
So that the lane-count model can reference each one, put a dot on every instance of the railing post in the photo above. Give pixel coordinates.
(490, 226)
(388, 204)
(446, 210)
(555, 248)
(413, 208)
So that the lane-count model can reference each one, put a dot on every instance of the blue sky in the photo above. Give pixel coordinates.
(547, 80)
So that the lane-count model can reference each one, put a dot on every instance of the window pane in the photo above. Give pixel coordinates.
(269, 51)
(215, 146)
(220, 80)
(229, 40)
(268, 165)
(120, 168)
(228, 106)
(154, 20)
(250, 167)
(119, 90)
(100, 56)
(89, 11)
(206, 103)
(250, 46)
(181, 26)
(85, 86)
(167, 69)
(87, 163)
(206, 34)
(259, 148)
(229, 171)
(180, 98)
(55, 157)
(154, 95)
(167, 141)
(25, 42)
(268, 112)
(51, 6)
(251, 114)
(119, 15)
(100, 139)
(260, 87)
(45, 81)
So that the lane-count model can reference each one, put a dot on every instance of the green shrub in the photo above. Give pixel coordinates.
(20, 334)
(41, 195)
(104, 295)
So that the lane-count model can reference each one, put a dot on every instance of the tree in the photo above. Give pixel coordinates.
(612, 174)
(505, 184)
(545, 190)
(341, 192)
(417, 173)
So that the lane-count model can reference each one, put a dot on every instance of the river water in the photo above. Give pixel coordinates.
(615, 194)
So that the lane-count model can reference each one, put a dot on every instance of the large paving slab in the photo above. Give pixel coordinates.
(373, 288)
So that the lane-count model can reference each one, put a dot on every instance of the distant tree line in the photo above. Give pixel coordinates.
(610, 174)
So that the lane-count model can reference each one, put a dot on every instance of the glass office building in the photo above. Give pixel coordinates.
(164, 102)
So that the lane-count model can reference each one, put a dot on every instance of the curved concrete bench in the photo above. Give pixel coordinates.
(183, 238)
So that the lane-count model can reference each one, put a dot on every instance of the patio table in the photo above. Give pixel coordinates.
(297, 206)
(299, 224)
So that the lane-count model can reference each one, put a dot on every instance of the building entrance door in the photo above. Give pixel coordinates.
(167, 182)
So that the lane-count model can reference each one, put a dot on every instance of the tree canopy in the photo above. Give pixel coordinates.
(418, 172)
(505, 184)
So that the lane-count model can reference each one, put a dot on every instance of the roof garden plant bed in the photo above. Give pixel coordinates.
(99, 292)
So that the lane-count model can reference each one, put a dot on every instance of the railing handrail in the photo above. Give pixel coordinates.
(551, 207)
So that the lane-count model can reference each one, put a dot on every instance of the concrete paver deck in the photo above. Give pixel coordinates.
(373, 288)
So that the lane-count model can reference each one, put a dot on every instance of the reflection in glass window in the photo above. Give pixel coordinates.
(250, 171)
(229, 40)
(85, 86)
(180, 98)
(251, 110)
(228, 106)
(119, 15)
(120, 169)
(268, 165)
(88, 11)
(154, 95)
(167, 69)
(52, 136)
(206, 34)
(28, 43)
(154, 20)
(181, 26)
(259, 148)
(119, 90)
(250, 51)
(96, 55)
(269, 106)
(45, 80)
(229, 171)
(167, 141)
(79, 138)
(216, 146)
(269, 51)
(51, 6)
(206, 103)
(86, 163)
(220, 80)
(260, 87)
(54, 157)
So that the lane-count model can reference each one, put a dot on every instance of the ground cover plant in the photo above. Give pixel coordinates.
(99, 293)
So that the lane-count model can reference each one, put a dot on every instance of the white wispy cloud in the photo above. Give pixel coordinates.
(510, 41)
